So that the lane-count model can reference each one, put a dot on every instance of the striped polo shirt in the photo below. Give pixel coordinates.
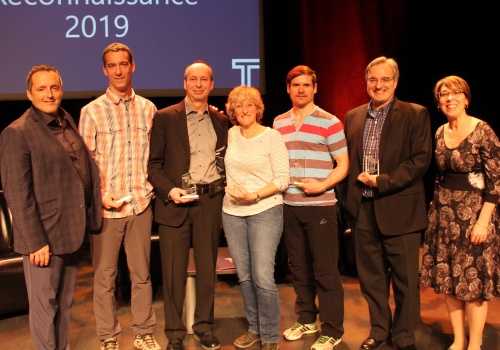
(311, 148)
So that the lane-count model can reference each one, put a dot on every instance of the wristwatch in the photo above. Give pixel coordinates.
(258, 197)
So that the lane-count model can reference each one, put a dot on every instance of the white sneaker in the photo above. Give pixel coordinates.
(325, 342)
(110, 344)
(299, 329)
(145, 341)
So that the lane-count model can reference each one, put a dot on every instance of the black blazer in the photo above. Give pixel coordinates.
(405, 154)
(170, 157)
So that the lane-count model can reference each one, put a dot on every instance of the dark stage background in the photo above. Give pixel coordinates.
(337, 38)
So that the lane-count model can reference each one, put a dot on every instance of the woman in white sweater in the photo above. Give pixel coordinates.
(257, 171)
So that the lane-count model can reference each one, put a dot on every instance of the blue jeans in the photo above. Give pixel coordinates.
(253, 242)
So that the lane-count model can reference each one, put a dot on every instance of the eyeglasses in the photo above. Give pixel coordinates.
(383, 80)
(446, 94)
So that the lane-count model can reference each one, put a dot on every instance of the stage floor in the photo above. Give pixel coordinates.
(433, 334)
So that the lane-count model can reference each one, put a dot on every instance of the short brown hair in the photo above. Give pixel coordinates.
(115, 47)
(300, 70)
(452, 82)
(39, 68)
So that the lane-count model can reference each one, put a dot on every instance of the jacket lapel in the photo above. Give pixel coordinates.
(181, 124)
(386, 130)
(359, 129)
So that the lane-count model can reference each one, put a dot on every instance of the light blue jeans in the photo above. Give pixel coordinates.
(253, 242)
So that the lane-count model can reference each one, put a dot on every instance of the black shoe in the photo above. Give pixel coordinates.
(371, 344)
(408, 347)
(207, 339)
(175, 344)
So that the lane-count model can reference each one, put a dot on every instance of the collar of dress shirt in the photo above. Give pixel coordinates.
(117, 99)
(190, 110)
(372, 112)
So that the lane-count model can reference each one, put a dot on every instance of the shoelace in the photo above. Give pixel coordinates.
(303, 327)
(323, 339)
(208, 336)
(174, 341)
(110, 345)
(251, 336)
(149, 340)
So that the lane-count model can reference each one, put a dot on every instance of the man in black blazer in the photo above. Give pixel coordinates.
(52, 189)
(188, 140)
(390, 149)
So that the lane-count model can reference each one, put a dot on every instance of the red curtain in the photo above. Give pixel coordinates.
(339, 38)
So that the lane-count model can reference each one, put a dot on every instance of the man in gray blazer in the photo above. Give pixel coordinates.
(52, 188)
(188, 142)
(390, 149)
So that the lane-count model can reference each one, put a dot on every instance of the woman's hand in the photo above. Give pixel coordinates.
(479, 234)
(239, 192)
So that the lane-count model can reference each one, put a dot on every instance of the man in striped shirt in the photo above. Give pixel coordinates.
(116, 128)
(318, 161)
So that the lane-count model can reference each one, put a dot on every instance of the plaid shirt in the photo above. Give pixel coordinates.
(117, 133)
(371, 137)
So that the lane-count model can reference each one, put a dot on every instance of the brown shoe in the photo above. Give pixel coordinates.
(246, 340)
(269, 346)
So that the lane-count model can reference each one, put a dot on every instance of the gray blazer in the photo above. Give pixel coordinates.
(43, 190)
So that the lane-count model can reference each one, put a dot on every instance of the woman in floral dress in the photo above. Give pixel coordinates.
(461, 244)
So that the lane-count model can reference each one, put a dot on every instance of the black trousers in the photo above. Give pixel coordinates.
(383, 261)
(201, 229)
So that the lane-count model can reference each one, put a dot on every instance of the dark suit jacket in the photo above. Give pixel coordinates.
(170, 157)
(44, 191)
(405, 154)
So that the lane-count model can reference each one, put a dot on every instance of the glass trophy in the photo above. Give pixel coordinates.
(371, 164)
(187, 185)
(298, 170)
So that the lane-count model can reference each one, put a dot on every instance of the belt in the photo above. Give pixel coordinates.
(202, 189)
(367, 199)
(462, 181)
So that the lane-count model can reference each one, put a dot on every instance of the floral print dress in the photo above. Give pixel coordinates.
(467, 175)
